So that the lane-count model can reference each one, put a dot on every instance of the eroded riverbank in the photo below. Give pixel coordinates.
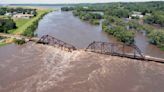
(39, 68)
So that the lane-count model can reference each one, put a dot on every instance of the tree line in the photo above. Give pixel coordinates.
(115, 15)
(4, 10)
(93, 18)
(155, 18)
(7, 24)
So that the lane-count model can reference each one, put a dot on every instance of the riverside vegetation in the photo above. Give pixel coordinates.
(91, 17)
(123, 20)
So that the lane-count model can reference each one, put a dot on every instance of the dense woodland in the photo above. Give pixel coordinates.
(7, 24)
(93, 18)
(119, 22)
(156, 18)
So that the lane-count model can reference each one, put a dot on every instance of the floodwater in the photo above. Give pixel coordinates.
(38, 68)
(66, 27)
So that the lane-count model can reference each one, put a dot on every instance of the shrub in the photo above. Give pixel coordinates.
(94, 22)
(156, 37)
(19, 41)
(121, 34)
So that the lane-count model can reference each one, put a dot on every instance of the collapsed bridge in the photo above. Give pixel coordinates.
(114, 49)
(46, 39)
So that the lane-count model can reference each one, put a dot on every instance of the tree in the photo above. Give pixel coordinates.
(3, 10)
(7, 24)
(156, 18)
(121, 13)
(67, 8)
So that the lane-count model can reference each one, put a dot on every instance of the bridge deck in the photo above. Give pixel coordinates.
(114, 49)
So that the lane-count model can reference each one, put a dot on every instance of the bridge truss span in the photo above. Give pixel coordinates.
(116, 49)
(46, 39)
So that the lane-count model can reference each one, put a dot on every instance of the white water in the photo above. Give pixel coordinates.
(39, 68)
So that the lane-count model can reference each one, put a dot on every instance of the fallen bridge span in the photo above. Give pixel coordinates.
(121, 50)
(114, 49)
(46, 39)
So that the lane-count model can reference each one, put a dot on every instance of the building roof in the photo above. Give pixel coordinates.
(24, 15)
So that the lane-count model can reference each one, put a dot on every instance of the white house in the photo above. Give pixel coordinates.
(8, 14)
(148, 14)
(137, 14)
(85, 7)
(21, 15)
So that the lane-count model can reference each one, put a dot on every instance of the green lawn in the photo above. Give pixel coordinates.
(1, 16)
(19, 23)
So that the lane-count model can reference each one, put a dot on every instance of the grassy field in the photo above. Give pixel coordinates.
(23, 24)
(3, 17)
(19, 24)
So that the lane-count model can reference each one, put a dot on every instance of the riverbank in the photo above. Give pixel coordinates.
(27, 27)
(6, 41)
(2, 44)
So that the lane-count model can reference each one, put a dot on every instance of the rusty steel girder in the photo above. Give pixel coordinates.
(116, 49)
(46, 39)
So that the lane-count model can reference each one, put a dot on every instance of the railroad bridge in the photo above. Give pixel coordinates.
(114, 49)
(46, 39)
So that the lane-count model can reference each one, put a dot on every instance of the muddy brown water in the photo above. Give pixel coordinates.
(66, 27)
(39, 68)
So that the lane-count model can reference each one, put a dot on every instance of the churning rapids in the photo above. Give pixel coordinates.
(39, 68)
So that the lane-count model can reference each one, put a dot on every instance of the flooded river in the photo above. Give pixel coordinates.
(40, 68)
(66, 27)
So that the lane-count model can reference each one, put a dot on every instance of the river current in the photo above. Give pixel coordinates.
(66, 27)
(39, 68)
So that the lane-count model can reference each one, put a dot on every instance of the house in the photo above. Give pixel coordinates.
(24, 16)
(85, 7)
(96, 12)
(148, 14)
(137, 14)
(8, 14)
